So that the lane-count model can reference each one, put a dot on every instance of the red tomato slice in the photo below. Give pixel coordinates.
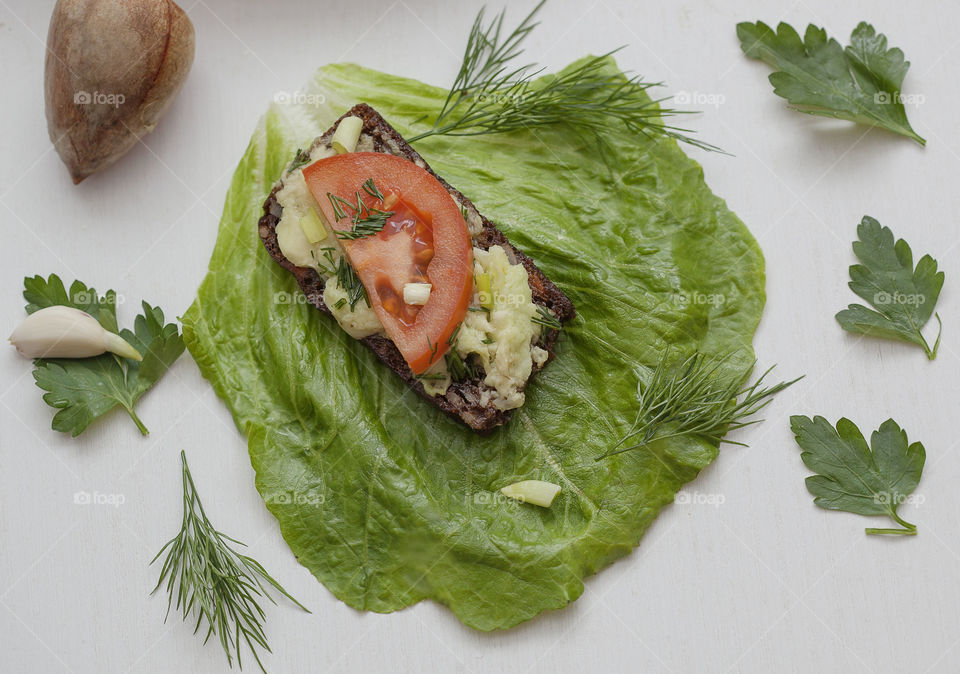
(425, 240)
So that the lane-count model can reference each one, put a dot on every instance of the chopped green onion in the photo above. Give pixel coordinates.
(313, 227)
(483, 291)
(347, 134)
(416, 293)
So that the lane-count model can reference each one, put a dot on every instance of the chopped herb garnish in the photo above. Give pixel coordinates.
(488, 340)
(335, 202)
(484, 309)
(370, 188)
(346, 278)
(546, 320)
(339, 304)
(349, 281)
(453, 335)
(300, 160)
(366, 220)
(460, 368)
(367, 226)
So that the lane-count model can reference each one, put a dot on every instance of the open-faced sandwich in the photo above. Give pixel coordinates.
(405, 263)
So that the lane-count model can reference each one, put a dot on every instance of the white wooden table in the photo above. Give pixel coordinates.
(747, 576)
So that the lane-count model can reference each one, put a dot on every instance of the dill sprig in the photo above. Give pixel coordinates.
(490, 96)
(203, 571)
(692, 398)
(460, 368)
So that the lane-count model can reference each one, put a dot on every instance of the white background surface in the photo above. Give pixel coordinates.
(762, 582)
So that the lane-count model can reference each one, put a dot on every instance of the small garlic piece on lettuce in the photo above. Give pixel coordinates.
(536, 492)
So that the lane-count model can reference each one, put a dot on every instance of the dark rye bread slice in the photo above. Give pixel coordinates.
(462, 399)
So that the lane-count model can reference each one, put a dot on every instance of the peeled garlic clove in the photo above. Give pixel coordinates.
(113, 67)
(65, 332)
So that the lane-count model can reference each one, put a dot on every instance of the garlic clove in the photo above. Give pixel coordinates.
(65, 332)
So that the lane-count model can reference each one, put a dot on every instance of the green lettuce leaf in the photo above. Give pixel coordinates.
(381, 496)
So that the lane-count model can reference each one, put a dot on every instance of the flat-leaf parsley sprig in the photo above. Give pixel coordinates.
(84, 389)
(860, 82)
(691, 397)
(207, 575)
(903, 297)
(855, 478)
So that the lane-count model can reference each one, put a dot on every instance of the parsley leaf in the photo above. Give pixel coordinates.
(83, 389)
(855, 478)
(904, 297)
(860, 83)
